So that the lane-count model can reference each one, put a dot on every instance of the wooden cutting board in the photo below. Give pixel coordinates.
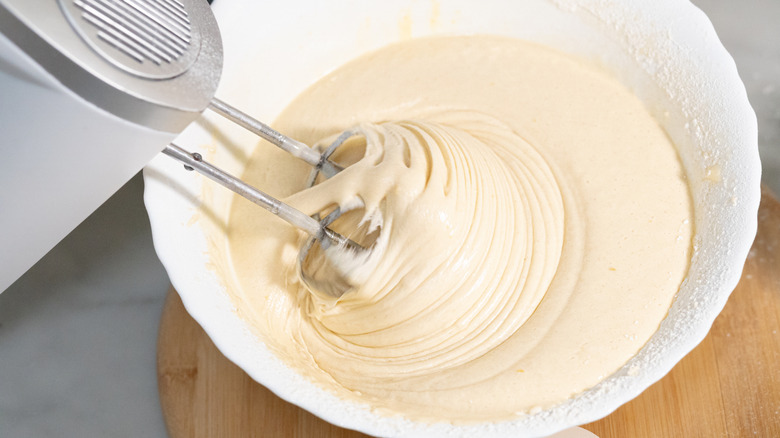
(729, 386)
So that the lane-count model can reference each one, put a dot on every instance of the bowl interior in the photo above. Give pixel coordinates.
(665, 51)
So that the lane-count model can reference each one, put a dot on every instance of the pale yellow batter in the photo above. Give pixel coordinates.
(534, 226)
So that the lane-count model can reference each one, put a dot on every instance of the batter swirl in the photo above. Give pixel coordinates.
(442, 287)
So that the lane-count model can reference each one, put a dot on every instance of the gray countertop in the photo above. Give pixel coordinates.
(78, 331)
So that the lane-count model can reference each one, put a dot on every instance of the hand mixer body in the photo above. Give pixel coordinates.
(80, 115)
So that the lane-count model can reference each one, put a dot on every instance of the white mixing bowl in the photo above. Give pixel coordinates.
(666, 51)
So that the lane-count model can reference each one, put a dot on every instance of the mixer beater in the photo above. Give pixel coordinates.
(318, 229)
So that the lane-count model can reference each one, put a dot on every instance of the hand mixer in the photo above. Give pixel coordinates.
(107, 79)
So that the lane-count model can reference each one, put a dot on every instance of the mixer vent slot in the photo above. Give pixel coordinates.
(146, 30)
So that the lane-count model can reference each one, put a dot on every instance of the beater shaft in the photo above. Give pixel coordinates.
(294, 147)
(297, 218)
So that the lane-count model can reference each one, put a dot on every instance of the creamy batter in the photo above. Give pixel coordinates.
(533, 223)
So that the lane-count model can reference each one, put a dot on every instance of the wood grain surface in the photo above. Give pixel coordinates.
(729, 386)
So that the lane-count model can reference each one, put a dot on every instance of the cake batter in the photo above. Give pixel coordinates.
(533, 220)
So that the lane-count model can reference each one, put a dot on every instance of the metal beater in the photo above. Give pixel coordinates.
(317, 228)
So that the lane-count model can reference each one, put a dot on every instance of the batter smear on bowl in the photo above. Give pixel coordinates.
(531, 225)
